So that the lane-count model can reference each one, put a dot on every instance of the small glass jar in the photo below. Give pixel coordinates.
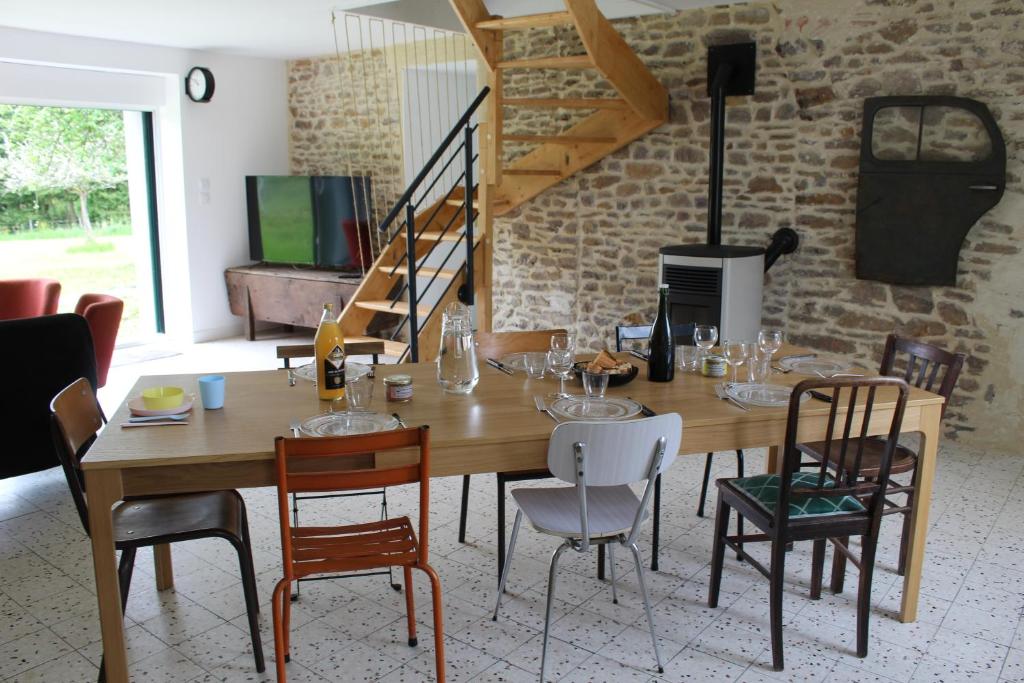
(398, 388)
(713, 366)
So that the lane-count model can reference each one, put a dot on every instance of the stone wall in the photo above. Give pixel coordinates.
(583, 255)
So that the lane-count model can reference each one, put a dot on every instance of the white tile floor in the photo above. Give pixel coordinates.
(353, 630)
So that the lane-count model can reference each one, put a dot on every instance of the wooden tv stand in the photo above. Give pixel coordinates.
(286, 295)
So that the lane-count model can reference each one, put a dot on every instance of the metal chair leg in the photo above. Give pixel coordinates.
(656, 526)
(739, 517)
(295, 524)
(647, 603)
(508, 562)
(547, 611)
(611, 566)
(464, 509)
(395, 586)
(704, 484)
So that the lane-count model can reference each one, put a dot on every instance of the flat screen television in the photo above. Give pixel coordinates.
(309, 220)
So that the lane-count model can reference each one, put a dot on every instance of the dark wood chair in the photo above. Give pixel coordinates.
(140, 522)
(925, 366)
(816, 506)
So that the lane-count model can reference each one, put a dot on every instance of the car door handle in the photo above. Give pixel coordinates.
(984, 188)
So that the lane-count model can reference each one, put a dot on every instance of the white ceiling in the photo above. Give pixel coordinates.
(265, 28)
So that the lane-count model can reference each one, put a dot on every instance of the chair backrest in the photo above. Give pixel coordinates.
(681, 333)
(45, 355)
(926, 366)
(28, 298)
(345, 463)
(103, 313)
(75, 417)
(497, 344)
(289, 352)
(612, 454)
(844, 442)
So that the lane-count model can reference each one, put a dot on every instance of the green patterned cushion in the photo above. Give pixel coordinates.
(764, 488)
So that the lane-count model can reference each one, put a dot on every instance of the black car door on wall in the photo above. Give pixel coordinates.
(930, 167)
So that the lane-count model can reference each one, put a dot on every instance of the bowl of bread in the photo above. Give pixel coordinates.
(619, 371)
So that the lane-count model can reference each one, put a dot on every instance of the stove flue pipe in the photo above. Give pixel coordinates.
(717, 165)
(784, 241)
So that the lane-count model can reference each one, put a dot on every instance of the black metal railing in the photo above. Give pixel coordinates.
(408, 204)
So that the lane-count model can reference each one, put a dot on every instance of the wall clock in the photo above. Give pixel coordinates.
(199, 84)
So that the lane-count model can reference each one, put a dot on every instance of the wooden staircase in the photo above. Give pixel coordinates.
(640, 107)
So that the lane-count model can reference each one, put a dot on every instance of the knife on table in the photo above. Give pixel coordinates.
(644, 410)
(499, 366)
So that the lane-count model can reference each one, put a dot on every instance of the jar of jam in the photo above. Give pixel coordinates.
(713, 366)
(398, 388)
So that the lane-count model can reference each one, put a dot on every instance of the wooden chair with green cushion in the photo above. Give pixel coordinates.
(830, 504)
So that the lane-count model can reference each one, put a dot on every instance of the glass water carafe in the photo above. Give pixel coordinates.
(457, 372)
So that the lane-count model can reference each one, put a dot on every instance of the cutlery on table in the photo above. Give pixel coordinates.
(721, 393)
(638, 354)
(644, 410)
(401, 422)
(820, 396)
(157, 418)
(780, 369)
(295, 428)
(162, 423)
(799, 356)
(498, 365)
(539, 402)
(838, 374)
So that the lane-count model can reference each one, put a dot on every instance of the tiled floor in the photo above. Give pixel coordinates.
(353, 630)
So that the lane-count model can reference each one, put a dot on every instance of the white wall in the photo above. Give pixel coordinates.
(242, 131)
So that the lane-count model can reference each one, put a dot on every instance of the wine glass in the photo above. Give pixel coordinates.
(736, 353)
(705, 336)
(560, 365)
(769, 340)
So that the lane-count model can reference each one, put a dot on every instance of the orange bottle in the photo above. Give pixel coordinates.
(329, 347)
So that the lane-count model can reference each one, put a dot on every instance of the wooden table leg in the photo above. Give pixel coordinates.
(774, 462)
(924, 476)
(164, 567)
(104, 487)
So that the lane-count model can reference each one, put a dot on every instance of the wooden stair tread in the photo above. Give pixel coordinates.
(526, 21)
(560, 139)
(570, 62)
(396, 307)
(435, 236)
(476, 203)
(566, 103)
(424, 271)
(391, 348)
(532, 171)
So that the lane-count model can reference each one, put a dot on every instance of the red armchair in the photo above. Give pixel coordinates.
(103, 313)
(28, 298)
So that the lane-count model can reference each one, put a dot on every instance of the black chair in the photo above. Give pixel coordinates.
(815, 506)
(45, 354)
(155, 520)
(682, 334)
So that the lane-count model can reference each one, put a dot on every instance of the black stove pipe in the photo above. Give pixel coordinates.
(717, 165)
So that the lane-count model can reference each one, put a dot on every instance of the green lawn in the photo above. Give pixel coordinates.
(79, 271)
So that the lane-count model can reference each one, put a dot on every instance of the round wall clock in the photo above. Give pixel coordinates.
(199, 84)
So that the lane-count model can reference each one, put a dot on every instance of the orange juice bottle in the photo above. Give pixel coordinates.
(329, 346)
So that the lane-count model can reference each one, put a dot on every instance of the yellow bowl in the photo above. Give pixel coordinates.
(162, 398)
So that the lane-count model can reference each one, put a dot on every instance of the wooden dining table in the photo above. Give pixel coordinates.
(496, 428)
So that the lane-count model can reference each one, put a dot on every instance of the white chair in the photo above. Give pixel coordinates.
(600, 459)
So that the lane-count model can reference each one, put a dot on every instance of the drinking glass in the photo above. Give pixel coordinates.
(535, 361)
(760, 366)
(560, 365)
(687, 357)
(705, 336)
(594, 384)
(736, 353)
(769, 340)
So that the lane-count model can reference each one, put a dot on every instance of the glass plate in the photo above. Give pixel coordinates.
(308, 371)
(815, 366)
(345, 424)
(515, 361)
(582, 408)
(763, 395)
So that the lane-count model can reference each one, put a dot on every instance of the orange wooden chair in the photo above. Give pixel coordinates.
(318, 465)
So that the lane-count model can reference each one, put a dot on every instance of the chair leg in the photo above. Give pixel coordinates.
(278, 599)
(508, 562)
(739, 517)
(704, 485)
(817, 567)
(501, 524)
(410, 606)
(905, 539)
(839, 566)
(125, 568)
(547, 611)
(435, 594)
(464, 510)
(656, 526)
(778, 571)
(867, 570)
(718, 551)
(295, 525)
(611, 567)
(647, 603)
(601, 563)
(395, 586)
(252, 600)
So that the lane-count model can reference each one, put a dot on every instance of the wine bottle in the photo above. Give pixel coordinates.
(661, 348)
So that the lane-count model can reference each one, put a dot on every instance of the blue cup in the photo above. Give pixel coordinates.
(211, 391)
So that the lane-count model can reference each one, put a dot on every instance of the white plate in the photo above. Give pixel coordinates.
(308, 371)
(814, 366)
(582, 408)
(137, 407)
(762, 395)
(345, 424)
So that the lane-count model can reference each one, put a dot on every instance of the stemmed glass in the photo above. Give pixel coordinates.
(736, 353)
(769, 340)
(705, 336)
(560, 359)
